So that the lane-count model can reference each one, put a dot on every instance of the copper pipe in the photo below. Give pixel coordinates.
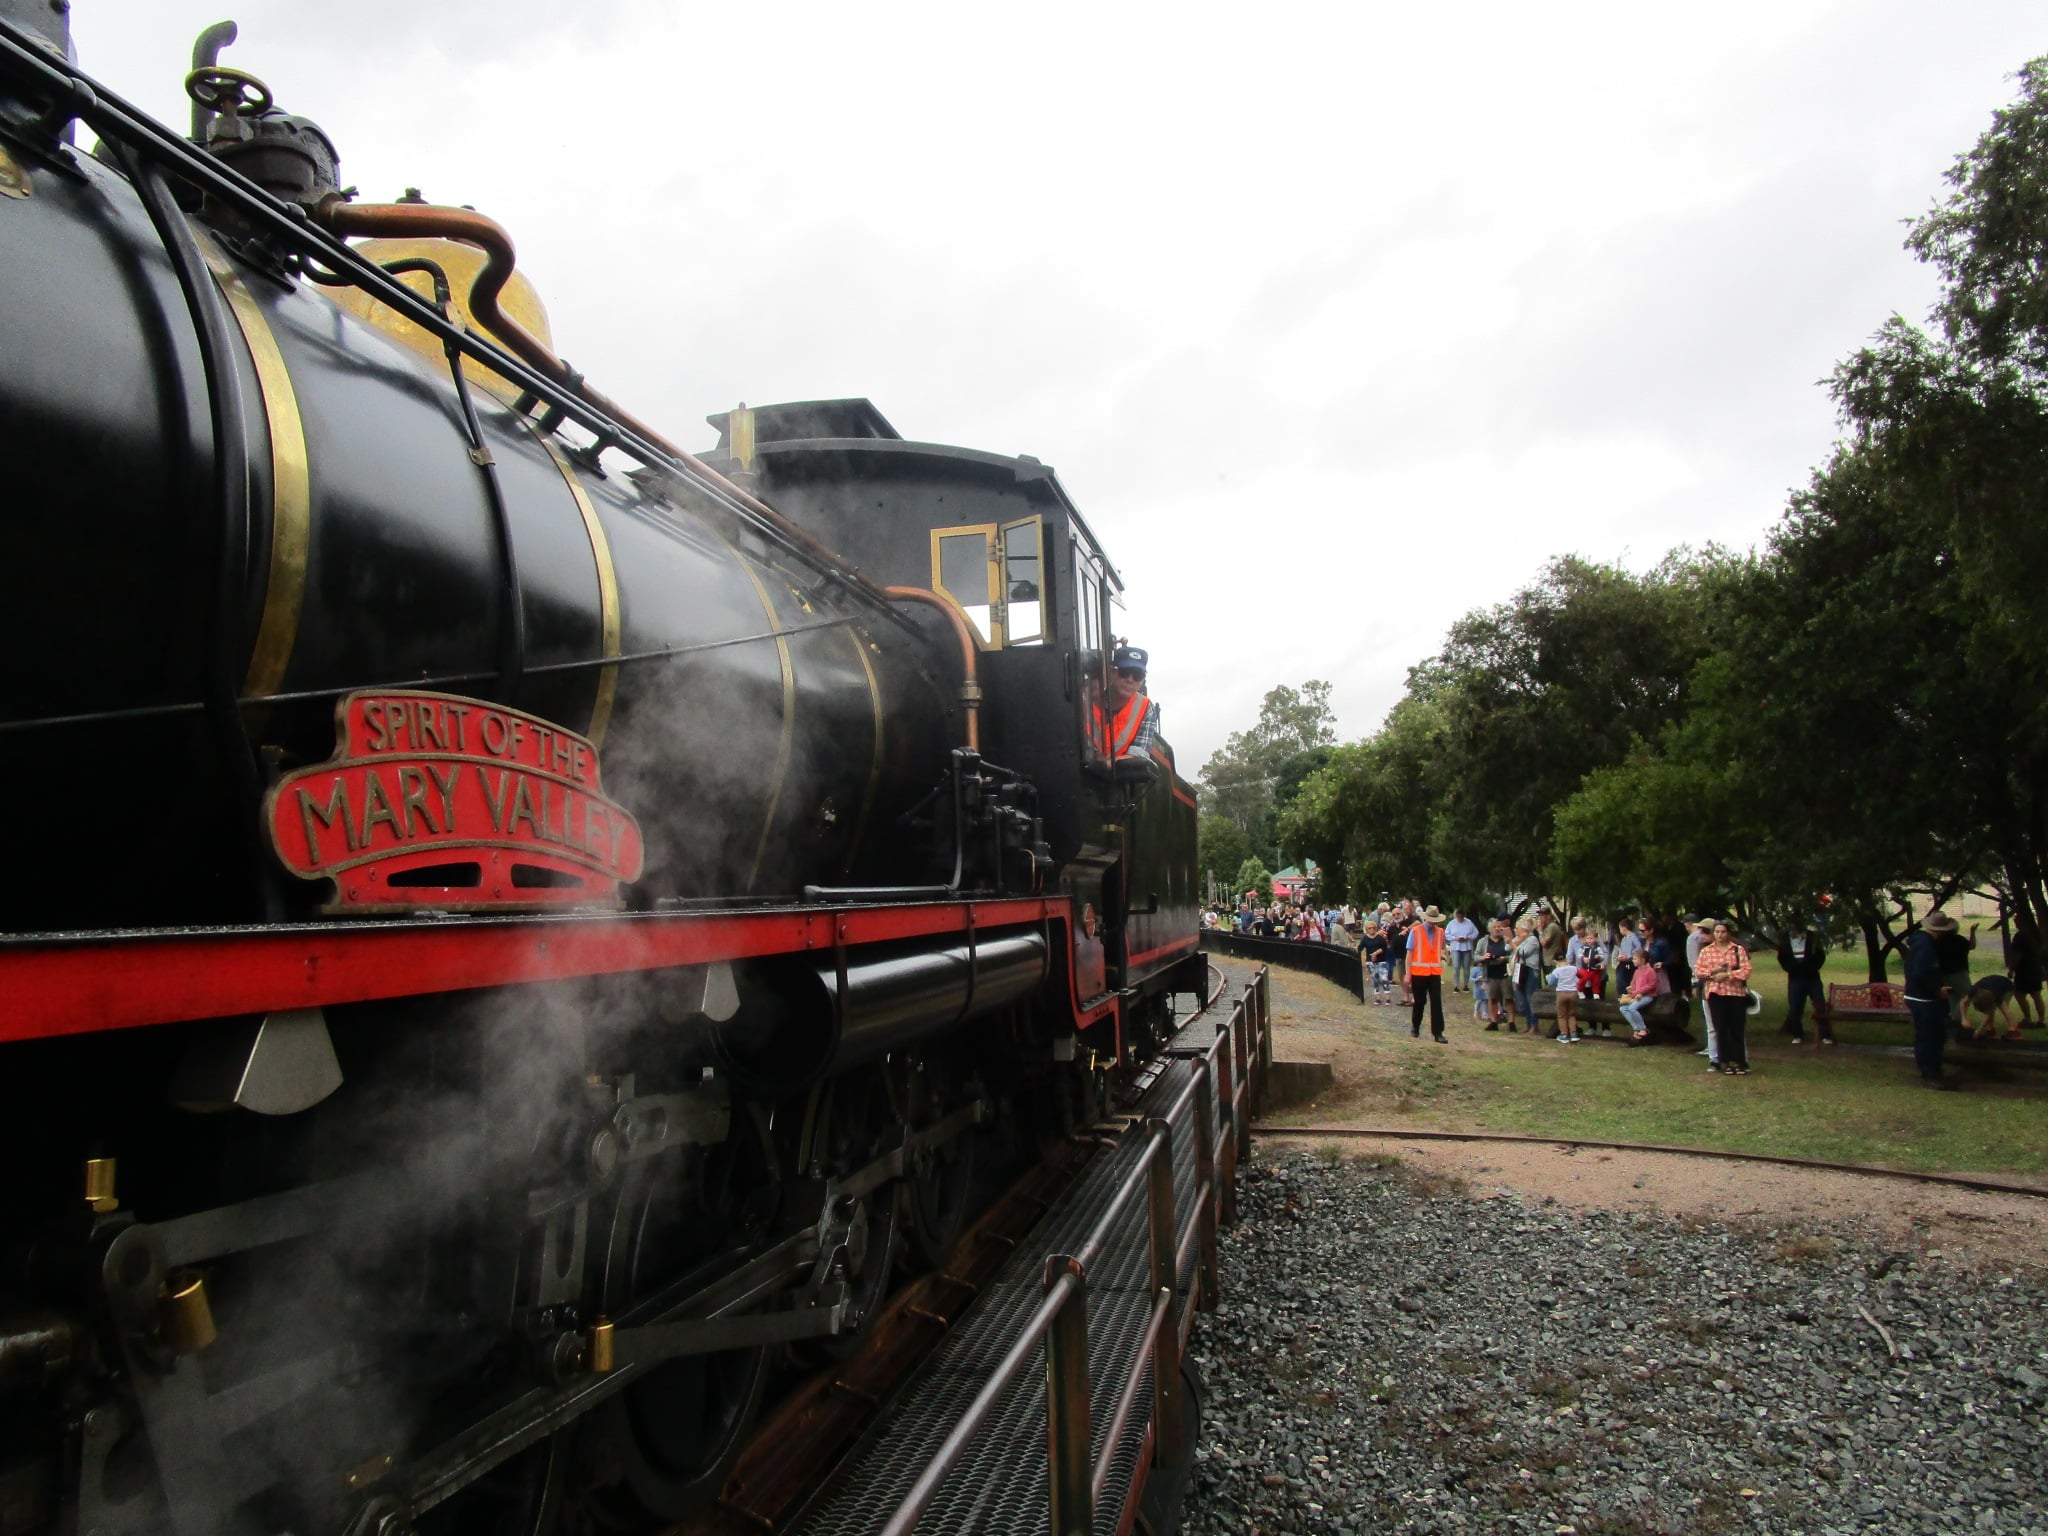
(970, 666)
(433, 222)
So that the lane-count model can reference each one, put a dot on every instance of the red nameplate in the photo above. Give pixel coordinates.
(432, 800)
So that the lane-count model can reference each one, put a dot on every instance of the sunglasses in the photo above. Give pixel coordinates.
(1130, 674)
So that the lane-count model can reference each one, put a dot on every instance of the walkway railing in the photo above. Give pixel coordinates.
(1222, 1094)
(1334, 962)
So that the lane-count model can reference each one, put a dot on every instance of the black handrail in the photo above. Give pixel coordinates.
(1336, 962)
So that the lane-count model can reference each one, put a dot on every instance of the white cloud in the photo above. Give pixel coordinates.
(1336, 320)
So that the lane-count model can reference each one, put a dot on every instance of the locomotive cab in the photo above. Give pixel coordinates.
(1002, 542)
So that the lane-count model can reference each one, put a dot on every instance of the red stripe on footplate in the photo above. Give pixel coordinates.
(92, 982)
(1175, 947)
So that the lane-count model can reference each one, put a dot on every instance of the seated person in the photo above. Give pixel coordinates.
(1642, 991)
(1592, 970)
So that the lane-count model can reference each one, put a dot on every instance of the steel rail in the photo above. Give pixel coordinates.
(1868, 1170)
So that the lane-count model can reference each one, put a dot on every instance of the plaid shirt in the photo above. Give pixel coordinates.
(1148, 732)
(1730, 957)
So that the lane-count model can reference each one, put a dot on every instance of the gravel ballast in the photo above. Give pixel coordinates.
(1394, 1354)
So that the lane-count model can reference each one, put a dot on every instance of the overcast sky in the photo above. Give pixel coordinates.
(1336, 320)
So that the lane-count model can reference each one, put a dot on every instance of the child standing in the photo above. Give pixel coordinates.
(1374, 950)
(1566, 980)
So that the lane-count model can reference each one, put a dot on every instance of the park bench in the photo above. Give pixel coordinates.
(1665, 1015)
(1867, 1000)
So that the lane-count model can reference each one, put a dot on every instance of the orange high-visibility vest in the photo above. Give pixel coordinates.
(1123, 730)
(1117, 735)
(1426, 955)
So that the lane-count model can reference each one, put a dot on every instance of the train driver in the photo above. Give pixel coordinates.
(1133, 722)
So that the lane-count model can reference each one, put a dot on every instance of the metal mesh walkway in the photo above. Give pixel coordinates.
(1001, 1483)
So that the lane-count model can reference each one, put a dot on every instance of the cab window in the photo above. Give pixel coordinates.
(963, 569)
(1089, 659)
(1023, 617)
(1087, 602)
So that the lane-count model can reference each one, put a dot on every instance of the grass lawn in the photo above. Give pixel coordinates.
(1853, 1106)
(1854, 970)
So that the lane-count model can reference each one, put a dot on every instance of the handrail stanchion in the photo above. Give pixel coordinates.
(1242, 1050)
(1205, 1181)
(1226, 1081)
(1067, 1430)
(1167, 1440)
(1265, 1029)
(1230, 1055)
(1255, 1046)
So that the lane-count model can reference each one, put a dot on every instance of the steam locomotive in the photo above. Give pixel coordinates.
(517, 932)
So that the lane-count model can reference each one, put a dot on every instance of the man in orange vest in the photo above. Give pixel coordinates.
(1132, 722)
(1426, 973)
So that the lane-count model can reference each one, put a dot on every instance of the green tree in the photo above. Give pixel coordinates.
(1241, 777)
(1934, 515)
(1535, 694)
(1862, 710)
(1254, 876)
(1650, 834)
(1986, 238)
(1220, 848)
(1877, 723)
(1369, 816)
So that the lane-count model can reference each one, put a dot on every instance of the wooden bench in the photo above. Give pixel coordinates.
(1665, 1015)
(1868, 1000)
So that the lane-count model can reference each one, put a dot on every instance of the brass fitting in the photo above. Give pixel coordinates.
(598, 1354)
(99, 1184)
(188, 1315)
(375, 1470)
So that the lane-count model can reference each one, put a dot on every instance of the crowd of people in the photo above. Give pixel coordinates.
(1409, 951)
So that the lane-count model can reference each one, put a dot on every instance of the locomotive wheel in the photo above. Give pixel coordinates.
(662, 1448)
(858, 1128)
(938, 1190)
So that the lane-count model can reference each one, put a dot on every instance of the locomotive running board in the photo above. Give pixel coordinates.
(949, 1451)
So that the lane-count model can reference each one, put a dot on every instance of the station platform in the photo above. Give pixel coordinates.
(1042, 1408)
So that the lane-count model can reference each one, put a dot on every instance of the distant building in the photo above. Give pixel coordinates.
(1292, 884)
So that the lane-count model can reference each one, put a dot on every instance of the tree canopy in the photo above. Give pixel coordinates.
(1258, 769)
(1861, 708)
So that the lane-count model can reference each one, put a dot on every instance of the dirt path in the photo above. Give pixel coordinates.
(1983, 1233)
(1977, 1231)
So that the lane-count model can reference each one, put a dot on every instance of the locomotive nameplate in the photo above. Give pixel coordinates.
(433, 800)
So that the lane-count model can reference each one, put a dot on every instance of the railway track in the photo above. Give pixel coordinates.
(1369, 1133)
